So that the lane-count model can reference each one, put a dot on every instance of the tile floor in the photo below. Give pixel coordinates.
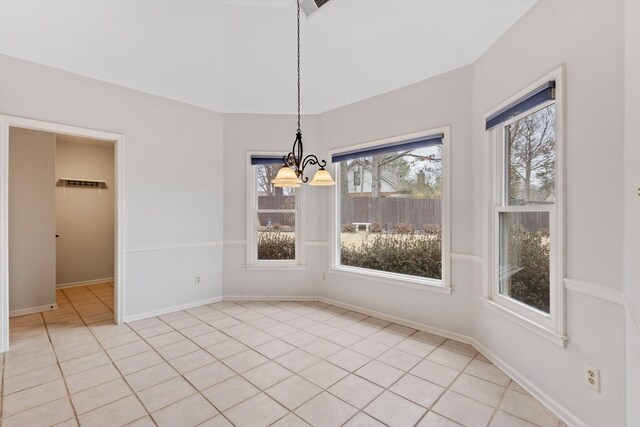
(247, 364)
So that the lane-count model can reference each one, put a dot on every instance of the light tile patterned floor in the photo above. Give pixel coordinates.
(247, 364)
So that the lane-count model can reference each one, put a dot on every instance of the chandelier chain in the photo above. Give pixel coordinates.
(298, 2)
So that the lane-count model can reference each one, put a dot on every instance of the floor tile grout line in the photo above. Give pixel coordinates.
(121, 376)
(246, 308)
(64, 381)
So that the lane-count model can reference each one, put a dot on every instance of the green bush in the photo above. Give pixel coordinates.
(274, 245)
(530, 251)
(413, 254)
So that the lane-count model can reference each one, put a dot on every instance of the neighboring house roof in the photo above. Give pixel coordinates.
(386, 175)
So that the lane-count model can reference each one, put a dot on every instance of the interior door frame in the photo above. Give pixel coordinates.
(7, 122)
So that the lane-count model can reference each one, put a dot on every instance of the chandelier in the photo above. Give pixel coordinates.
(291, 174)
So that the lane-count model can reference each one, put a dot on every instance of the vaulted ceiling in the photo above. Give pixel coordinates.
(239, 55)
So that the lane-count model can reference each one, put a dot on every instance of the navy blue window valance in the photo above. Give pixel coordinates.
(539, 96)
(412, 144)
(257, 159)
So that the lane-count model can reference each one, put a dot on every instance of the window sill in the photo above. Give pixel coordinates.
(429, 285)
(548, 334)
(276, 267)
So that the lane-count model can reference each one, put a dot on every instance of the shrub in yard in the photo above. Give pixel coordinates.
(530, 251)
(403, 228)
(432, 229)
(376, 227)
(348, 228)
(276, 246)
(413, 254)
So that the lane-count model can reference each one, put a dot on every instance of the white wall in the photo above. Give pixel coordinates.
(32, 264)
(551, 34)
(173, 167)
(632, 207)
(258, 132)
(440, 101)
(84, 216)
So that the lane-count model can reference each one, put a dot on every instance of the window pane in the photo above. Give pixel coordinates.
(531, 151)
(390, 212)
(270, 196)
(524, 257)
(277, 236)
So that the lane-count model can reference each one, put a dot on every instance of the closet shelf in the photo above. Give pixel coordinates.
(81, 182)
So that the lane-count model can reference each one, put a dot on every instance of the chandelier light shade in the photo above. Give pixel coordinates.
(292, 173)
(322, 177)
(286, 177)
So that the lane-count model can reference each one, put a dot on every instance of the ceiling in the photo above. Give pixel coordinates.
(239, 55)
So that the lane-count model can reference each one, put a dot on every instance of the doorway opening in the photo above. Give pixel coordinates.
(61, 230)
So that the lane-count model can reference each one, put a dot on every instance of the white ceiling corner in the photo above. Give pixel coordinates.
(239, 55)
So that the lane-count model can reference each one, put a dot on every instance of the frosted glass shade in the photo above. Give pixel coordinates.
(286, 177)
(322, 177)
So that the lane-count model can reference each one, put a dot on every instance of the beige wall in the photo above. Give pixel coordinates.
(84, 216)
(32, 267)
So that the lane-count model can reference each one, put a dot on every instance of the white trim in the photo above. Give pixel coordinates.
(400, 320)
(307, 243)
(167, 310)
(526, 322)
(597, 291)
(445, 207)
(633, 314)
(276, 267)
(467, 257)
(32, 310)
(175, 246)
(119, 147)
(390, 279)
(554, 323)
(551, 404)
(269, 298)
(235, 242)
(83, 283)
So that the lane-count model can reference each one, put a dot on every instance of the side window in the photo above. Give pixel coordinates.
(526, 208)
(273, 235)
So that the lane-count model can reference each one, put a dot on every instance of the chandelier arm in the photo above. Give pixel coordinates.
(312, 159)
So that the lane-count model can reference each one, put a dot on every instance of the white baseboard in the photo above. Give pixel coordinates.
(400, 321)
(31, 310)
(166, 310)
(85, 283)
(560, 411)
(268, 298)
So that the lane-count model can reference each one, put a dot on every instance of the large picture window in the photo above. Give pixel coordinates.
(391, 208)
(273, 225)
(527, 264)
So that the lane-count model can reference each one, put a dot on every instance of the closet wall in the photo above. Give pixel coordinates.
(84, 216)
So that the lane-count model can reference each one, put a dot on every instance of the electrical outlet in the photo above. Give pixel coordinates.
(324, 276)
(592, 377)
(197, 280)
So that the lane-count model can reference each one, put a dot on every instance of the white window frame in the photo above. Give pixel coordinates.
(253, 263)
(442, 286)
(552, 325)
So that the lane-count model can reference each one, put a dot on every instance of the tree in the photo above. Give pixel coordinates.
(266, 175)
(531, 146)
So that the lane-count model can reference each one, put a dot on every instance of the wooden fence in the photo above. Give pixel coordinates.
(388, 211)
